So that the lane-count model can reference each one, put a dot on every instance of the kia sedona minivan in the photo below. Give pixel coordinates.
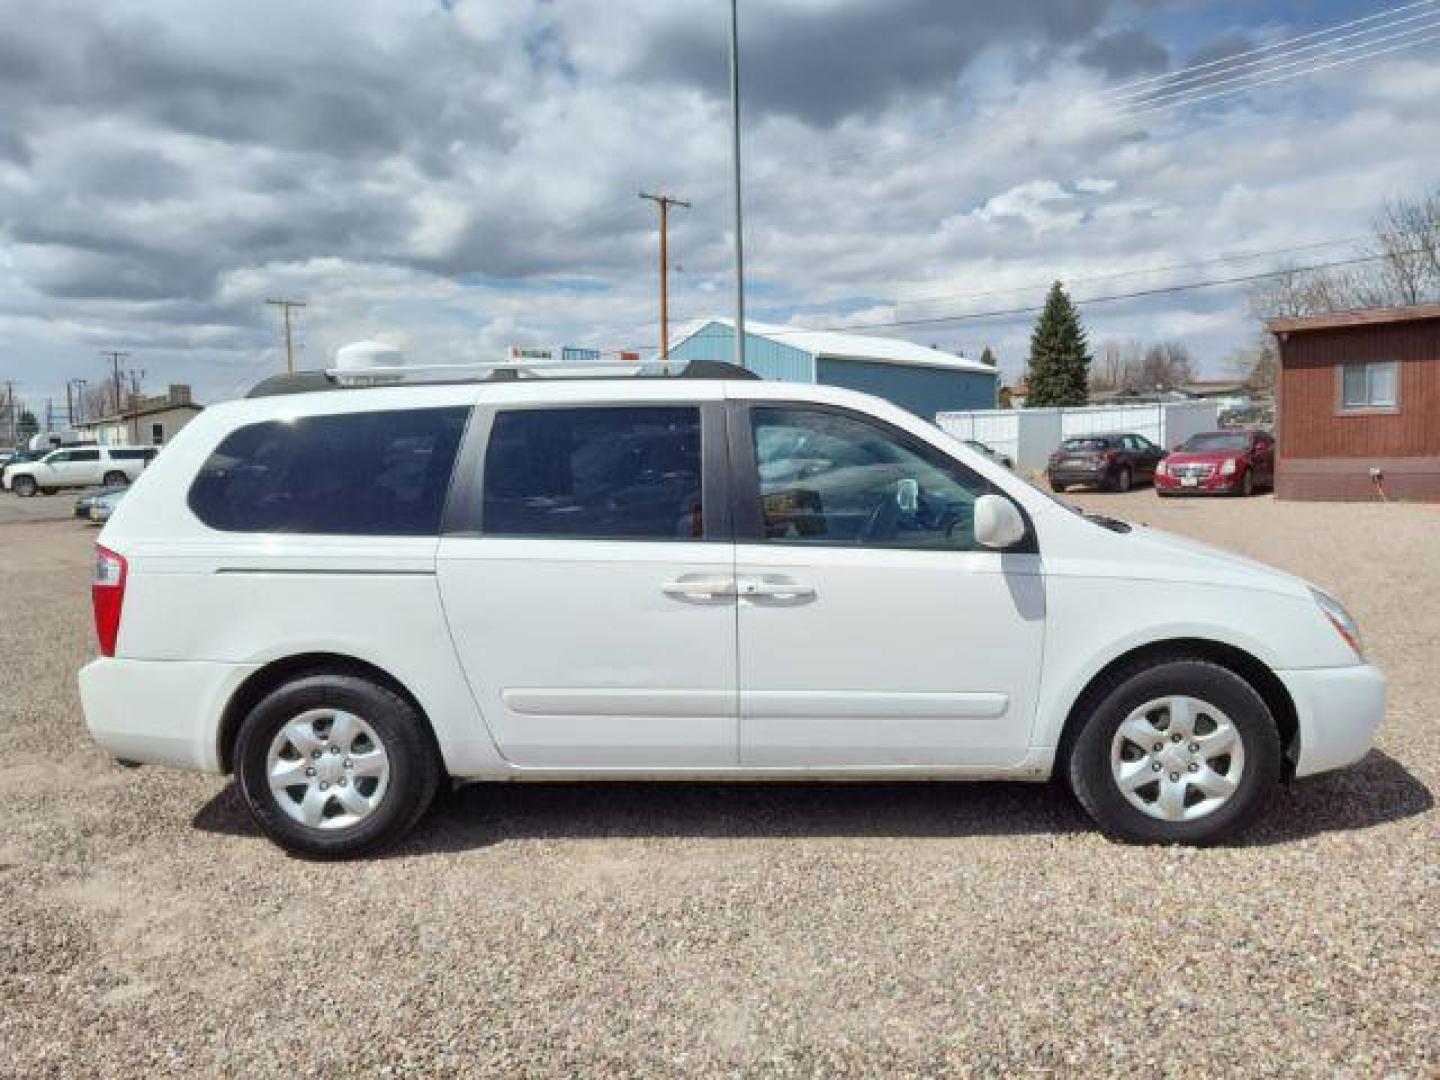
(355, 586)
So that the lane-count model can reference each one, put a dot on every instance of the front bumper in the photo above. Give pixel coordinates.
(1215, 484)
(1339, 710)
(159, 712)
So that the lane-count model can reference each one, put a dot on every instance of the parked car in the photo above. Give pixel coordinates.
(1218, 462)
(684, 577)
(104, 505)
(86, 501)
(78, 466)
(18, 457)
(992, 454)
(1111, 462)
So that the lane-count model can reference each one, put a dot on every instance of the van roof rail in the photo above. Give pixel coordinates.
(302, 382)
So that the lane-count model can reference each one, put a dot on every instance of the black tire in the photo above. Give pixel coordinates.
(1247, 484)
(1056, 487)
(1122, 480)
(1088, 766)
(25, 487)
(116, 479)
(414, 765)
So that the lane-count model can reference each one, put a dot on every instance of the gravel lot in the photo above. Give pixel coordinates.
(763, 929)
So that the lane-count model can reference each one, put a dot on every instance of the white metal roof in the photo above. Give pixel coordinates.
(884, 350)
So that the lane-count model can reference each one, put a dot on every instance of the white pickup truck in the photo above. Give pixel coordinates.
(78, 466)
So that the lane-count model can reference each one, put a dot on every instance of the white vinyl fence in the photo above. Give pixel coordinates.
(1029, 436)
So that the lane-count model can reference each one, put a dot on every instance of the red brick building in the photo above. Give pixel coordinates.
(1358, 404)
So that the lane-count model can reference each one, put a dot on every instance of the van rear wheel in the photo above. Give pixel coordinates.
(334, 766)
(1180, 751)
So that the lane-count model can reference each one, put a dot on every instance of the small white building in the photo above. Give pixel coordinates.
(145, 421)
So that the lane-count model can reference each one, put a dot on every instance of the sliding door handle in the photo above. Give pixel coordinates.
(776, 589)
(699, 587)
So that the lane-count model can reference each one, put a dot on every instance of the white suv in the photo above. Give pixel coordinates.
(347, 597)
(78, 466)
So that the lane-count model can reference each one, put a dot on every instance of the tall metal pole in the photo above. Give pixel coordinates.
(735, 166)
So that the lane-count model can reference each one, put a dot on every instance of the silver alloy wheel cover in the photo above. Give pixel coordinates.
(1162, 783)
(327, 769)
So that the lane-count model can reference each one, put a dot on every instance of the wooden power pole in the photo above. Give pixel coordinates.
(115, 356)
(285, 306)
(664, 202)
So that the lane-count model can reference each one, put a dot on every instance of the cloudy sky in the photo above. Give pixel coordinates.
(455, 177)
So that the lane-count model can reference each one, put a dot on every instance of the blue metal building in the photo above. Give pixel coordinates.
(926, 381)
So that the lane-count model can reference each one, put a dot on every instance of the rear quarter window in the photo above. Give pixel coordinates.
(353, 474)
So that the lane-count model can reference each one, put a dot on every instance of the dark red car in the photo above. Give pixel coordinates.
(1218, 462)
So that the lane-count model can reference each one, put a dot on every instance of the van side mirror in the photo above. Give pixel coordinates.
(907, 495)
(998, 523)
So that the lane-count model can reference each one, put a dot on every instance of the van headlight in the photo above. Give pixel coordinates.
(1228, 467)
(1339, 618)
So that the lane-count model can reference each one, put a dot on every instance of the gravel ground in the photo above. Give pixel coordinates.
(747, 929)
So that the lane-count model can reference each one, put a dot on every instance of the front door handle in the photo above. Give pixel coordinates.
(776, 589)
(699, 587)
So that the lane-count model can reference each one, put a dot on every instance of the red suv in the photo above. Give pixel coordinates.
(1218, 462)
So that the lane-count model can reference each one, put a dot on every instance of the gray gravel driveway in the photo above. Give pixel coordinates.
(853, 929)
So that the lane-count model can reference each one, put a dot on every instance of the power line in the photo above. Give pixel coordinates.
(1231, 257)
(1029, 309)
(1227, 64)
(1248, 82)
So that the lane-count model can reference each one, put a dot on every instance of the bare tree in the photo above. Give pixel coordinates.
(1166, 364)
(1407, 247)
(1403, 268)
(1256, 363)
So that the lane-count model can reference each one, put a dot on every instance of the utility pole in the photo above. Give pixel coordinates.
(115, 356)
(735, 168)
(285, 306)
(79, 406)
(10, 413)
(664, 202)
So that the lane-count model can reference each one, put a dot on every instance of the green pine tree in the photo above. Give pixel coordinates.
(988, 358)
(26, 427)
(1059, 355)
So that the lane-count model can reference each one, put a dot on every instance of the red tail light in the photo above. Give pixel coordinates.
(107, 591)
(1110, 456)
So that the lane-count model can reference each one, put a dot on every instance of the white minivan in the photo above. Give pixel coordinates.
(349, 594)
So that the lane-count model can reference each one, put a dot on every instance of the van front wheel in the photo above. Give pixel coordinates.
(334, 766)
(1181, 751)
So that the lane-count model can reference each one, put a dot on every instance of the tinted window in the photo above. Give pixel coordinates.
(142, 454)
(84, 455)
(831, 479)
(360, 474)
(1091, 444)
(601, 473)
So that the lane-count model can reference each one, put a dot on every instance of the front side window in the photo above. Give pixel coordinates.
(832, 479)
(599, 472)
(1369, 385)
(84, 455)
(352, 474)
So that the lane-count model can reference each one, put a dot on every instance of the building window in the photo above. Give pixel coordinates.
(1373, 385)
(157, 434)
